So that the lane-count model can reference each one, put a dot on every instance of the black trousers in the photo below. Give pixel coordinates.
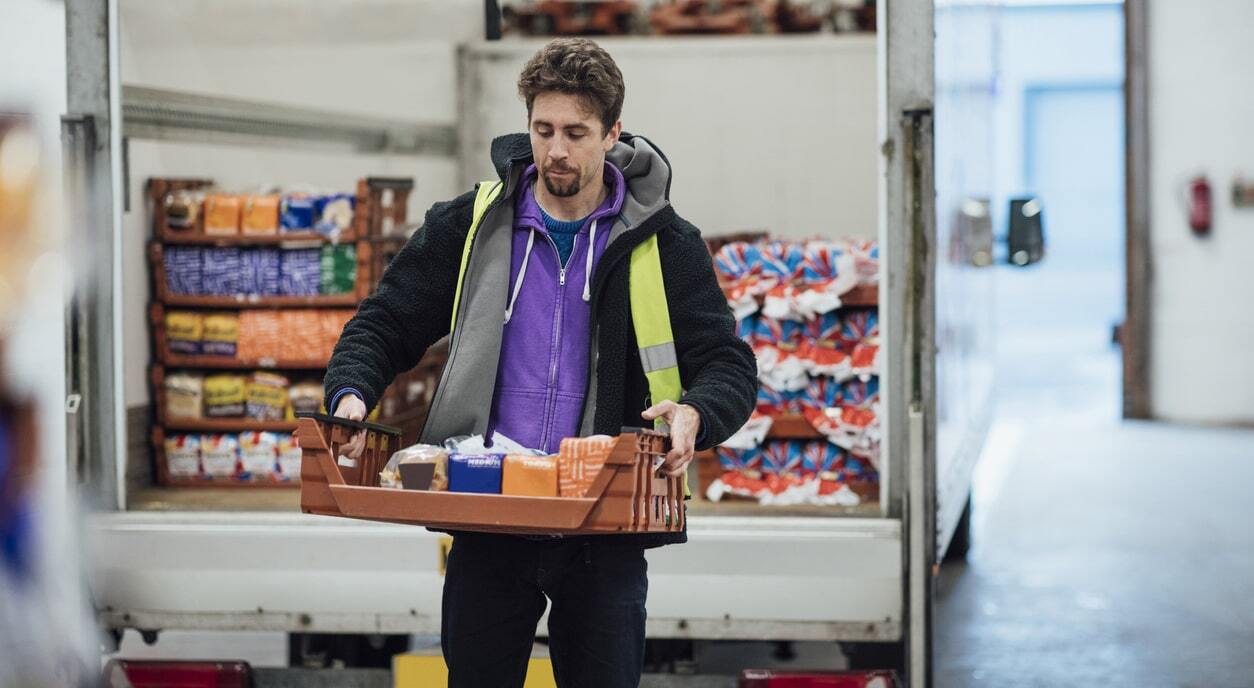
(494, 595)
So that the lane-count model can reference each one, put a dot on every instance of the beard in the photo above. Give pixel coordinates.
(563, 190)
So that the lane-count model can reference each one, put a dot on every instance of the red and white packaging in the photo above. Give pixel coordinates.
(752, 434)
(182, 456)
(579, 461)
(259, 453)
(289, 457)
(219, 455)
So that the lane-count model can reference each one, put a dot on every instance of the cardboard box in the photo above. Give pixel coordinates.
(480, 473)
(529, 476)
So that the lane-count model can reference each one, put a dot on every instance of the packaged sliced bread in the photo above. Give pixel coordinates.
(224, 395)
(221, 334)
(222, 214)
(259, 453)
(219, 455)
(182, 456)
(184, 396)
(266, 396)
(184, 331)
(260, 215)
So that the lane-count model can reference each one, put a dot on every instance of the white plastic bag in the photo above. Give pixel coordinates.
(474, 444)
(390, 476)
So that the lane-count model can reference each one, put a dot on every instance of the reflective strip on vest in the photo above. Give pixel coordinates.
(486, 193)
(651, 318)
(659, 357)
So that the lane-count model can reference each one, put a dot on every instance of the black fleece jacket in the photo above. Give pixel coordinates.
(413, 308)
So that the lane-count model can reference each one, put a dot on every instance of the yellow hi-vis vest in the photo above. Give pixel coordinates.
(649, 311)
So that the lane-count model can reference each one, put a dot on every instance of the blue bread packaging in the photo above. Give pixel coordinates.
(183, 272)
(296, 213)
(300, 272)
(261, 272)
(479, 473)
(222, 271)
(333, 213)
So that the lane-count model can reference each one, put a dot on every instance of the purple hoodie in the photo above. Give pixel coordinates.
(543, 372)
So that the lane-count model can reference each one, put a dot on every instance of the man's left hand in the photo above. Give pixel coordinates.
(685, 424)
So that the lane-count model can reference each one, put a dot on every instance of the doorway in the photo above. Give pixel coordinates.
(1056, 319)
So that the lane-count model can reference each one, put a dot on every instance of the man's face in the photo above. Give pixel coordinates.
(569, 143)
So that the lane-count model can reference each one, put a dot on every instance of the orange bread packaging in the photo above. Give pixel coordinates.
(529, 476)
(260, 335)
(578, 462)
(302, 335)
(260, 215)
(222, 213)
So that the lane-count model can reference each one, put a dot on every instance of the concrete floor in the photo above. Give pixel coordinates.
(1111, 556)
(1105, 553)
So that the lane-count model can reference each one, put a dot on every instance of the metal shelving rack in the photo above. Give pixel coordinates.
(166, 115)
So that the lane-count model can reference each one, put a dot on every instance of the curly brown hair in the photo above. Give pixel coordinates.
(579, 67)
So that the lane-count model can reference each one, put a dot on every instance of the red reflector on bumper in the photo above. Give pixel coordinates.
(167, 674)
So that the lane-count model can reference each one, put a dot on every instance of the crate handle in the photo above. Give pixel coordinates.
(324, 419)
(381, 441)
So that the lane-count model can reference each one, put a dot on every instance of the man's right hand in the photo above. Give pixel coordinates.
(352, 408)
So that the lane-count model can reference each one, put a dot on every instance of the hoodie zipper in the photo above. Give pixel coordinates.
(556, 341)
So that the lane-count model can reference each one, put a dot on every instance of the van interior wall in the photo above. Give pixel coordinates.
(763, 133)
(772, 134)
(393, 59)
(1199, 117)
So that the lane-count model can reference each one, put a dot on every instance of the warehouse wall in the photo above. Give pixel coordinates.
(1057, 49)
(1200, 114)
(763, 133)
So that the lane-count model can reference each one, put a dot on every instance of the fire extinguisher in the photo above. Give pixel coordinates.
(1200, 205)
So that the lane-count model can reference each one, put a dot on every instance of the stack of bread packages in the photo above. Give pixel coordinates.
(818, 359)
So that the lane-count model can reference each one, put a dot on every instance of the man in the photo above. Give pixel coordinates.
(544, 346)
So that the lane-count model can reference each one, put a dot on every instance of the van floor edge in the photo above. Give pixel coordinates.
(288, 499)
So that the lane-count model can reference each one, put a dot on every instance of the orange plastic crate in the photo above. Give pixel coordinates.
(627, 496)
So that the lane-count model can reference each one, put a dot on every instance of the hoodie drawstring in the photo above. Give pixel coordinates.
(587, 272)
(522, 272)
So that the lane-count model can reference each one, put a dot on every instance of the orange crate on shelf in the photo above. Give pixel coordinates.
(627, 495)
(157, 190)
(382, 206)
